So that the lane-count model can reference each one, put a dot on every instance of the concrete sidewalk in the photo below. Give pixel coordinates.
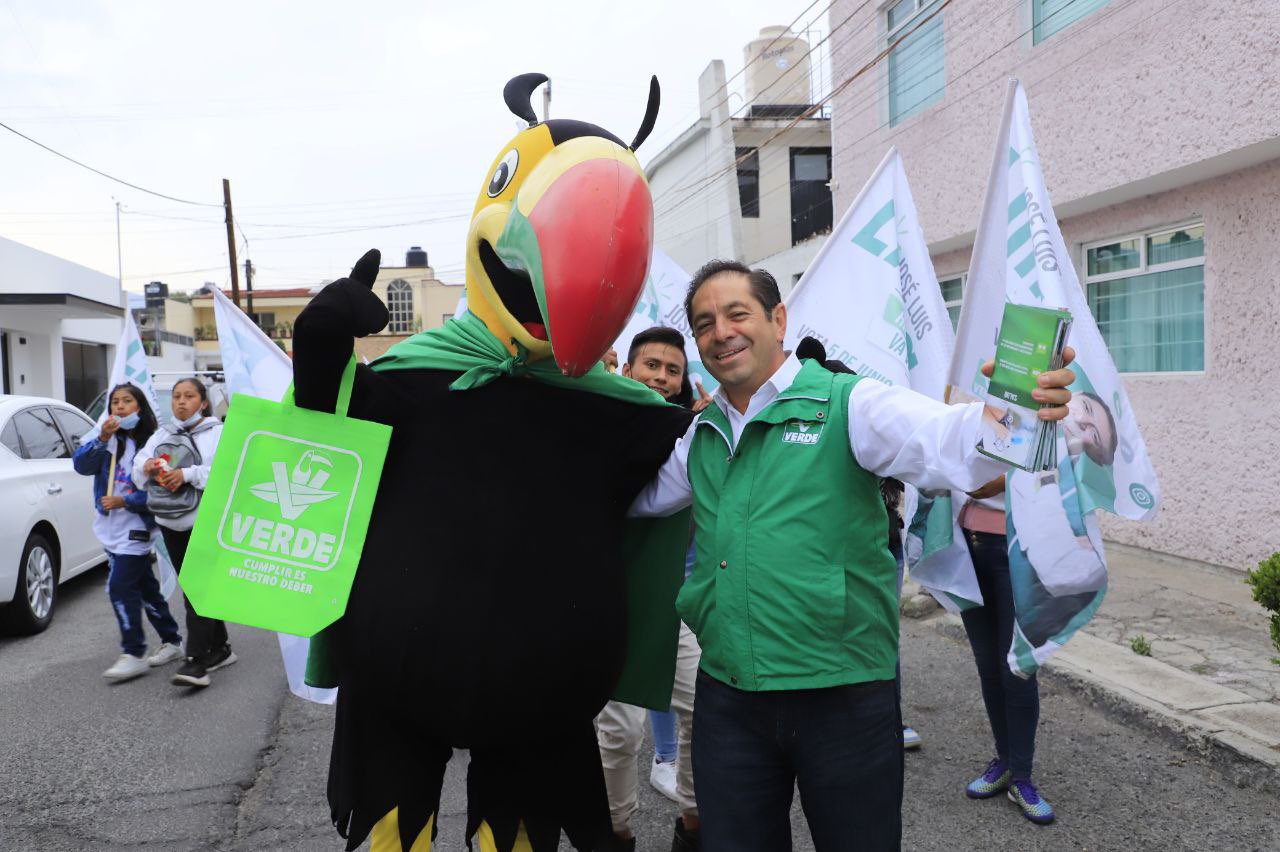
(1209, 678)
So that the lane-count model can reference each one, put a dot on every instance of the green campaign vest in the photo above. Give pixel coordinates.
(794, 586)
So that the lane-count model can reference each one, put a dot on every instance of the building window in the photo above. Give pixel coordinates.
(400, 306)
(952, 290)
(1146, 292)
(916, 74)
(1050, 16)
(810, 193)
(749, 181)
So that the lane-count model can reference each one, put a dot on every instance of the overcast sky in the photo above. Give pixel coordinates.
(325, 116)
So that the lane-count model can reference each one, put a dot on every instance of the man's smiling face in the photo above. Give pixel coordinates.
(740, 343)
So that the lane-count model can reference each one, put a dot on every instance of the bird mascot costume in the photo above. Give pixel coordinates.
(500, 596)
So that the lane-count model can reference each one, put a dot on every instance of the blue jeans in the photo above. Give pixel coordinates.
(132, 589)
(842, 745)
(1013, 702)
(664, 735)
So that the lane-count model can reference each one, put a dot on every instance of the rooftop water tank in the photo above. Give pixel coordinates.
(777, 64)
(415, 256)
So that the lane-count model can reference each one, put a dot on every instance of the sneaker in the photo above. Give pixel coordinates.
(191, 673)
(126, 667)
(663, 778)
(219, 658)
(165, 654)
(685, 840)
(1024, 794)
(989, 783)
(910, 739)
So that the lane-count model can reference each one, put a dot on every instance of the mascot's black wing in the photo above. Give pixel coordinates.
(324, 338)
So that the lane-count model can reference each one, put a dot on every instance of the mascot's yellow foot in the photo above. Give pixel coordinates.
(484, 836)
(386, 835)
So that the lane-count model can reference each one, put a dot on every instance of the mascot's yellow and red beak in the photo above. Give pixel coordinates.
(561, 236)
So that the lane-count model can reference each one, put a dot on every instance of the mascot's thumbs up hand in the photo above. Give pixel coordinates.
(351, 301)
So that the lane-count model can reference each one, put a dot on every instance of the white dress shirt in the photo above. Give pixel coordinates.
(893, 432)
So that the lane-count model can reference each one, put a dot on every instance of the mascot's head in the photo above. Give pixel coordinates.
(561, 235)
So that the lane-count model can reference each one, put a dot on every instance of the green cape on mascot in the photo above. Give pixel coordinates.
(502, 595)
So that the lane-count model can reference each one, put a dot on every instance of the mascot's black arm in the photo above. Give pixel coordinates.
(324, 338)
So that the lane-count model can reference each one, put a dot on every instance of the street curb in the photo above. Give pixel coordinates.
(1152, 699)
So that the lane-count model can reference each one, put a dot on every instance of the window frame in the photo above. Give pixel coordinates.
(398, 306)
(890, 34)
(963, 278)
(1036, 39)
(69, 446)
(1144, 268)
(752, 154)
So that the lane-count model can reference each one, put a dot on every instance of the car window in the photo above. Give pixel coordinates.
(73, 424)
(40, 437)
(9, 437)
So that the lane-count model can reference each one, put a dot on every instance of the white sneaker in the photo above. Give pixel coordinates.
(166, 653)
(128, 666)
(663, 778)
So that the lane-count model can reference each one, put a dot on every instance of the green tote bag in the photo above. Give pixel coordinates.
(282, 523)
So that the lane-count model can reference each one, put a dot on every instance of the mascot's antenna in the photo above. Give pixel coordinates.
(650, 114)
(518, 93)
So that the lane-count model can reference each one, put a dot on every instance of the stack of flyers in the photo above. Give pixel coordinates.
(1031, 341)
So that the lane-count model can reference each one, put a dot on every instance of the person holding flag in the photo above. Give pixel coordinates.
(126, 530)
(1022, 558)
(793, 594)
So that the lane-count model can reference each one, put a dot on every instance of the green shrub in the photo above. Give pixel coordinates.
(1265, 580)
(1140, 646)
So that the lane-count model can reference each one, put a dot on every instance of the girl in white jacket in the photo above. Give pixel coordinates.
(193, 424)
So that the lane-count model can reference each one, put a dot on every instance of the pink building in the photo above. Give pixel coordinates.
(1158, 127)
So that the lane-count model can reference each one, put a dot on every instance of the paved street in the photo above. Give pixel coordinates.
(89, 766)
(144, 765)
(1114, 786)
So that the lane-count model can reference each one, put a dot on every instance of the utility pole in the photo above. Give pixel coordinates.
(546, 101)
(231, 242)
(119, 255)
(248, 285)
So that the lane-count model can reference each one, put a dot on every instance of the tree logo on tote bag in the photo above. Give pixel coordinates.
(290, 501)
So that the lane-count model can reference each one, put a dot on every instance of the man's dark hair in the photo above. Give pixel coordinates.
(763, 287)
(658, 334)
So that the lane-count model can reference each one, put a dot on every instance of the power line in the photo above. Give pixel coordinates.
(102, 173)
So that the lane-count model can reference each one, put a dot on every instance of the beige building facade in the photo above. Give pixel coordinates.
(1158, 137)
(416, 300)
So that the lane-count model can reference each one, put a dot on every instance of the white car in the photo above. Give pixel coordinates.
(46, 535)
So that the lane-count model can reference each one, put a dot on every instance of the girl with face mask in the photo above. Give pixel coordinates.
(192, 426)
(126, 529)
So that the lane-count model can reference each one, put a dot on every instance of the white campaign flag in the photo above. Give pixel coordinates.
(130, 365)
(872, 298)
(256, 366)
(1056, 560)
(1019, 256)
(662, 303)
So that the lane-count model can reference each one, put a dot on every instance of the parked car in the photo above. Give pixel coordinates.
(219, 394)
(47, 533)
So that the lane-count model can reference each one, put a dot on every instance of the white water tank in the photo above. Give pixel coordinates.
(777, 64)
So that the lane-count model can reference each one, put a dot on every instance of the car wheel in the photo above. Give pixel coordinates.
(36, 591)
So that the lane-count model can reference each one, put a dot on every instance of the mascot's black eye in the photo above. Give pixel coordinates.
(503, 173)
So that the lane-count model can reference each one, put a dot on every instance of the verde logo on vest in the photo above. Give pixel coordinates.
(293, 499)
(801, 432)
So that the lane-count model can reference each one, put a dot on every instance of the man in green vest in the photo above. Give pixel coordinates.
(793, 593)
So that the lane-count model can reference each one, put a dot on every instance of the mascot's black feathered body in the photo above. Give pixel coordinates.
(489, 611)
